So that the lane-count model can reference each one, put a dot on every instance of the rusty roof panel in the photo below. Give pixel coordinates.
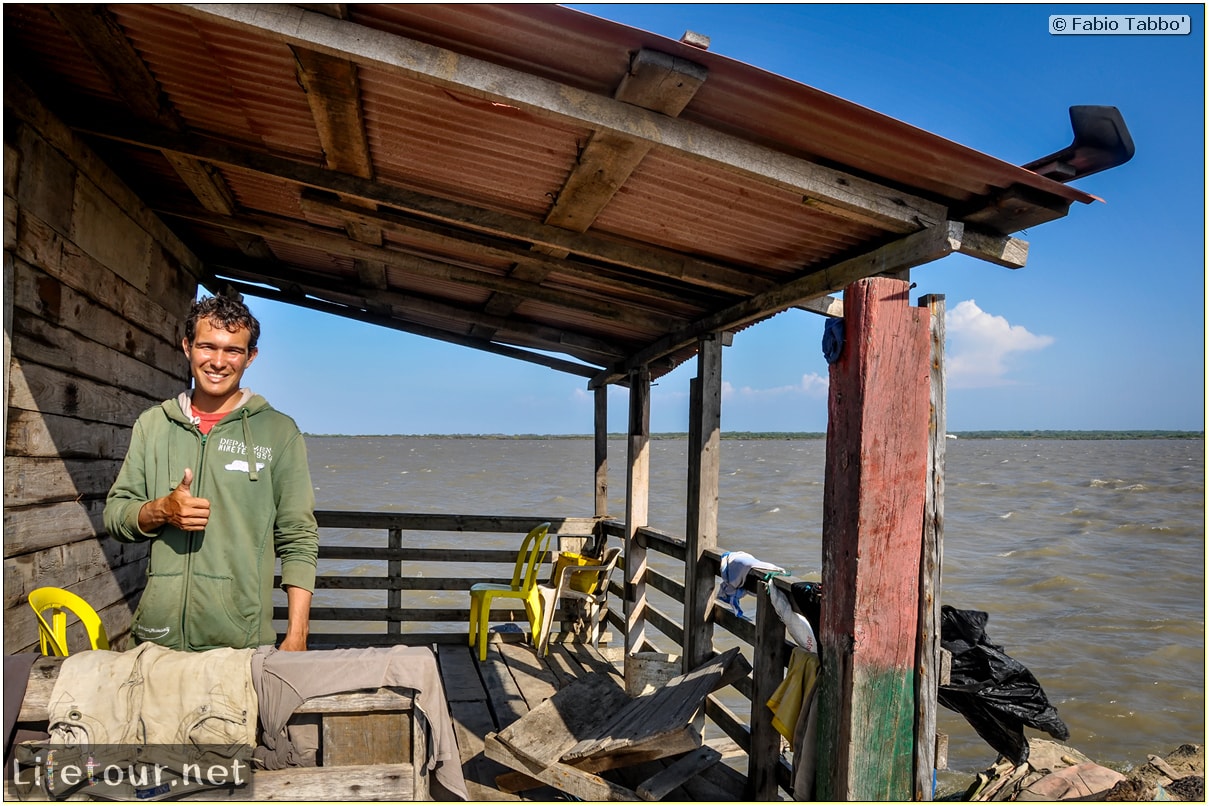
(301, 264)
(592, 53)
(56, 53)
(683, 237)
(739, 220)
(257, 192)
(434, 140)
(224, 80)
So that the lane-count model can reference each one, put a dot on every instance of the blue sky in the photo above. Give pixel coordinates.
(1103, 329)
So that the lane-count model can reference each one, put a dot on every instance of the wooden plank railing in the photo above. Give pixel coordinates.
(764, 642)
(404, 611)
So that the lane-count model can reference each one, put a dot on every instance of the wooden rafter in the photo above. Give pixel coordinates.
(327, 241)
(415, 329)
(655, 81)
(661, 262)
(298, 283)
(98, 34)
(824, 189)
(912, 250)
(334, 96)
(441, 238)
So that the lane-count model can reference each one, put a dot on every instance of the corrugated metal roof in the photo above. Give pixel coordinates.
(485, 127)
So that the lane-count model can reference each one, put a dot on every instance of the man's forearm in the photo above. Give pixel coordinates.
(151, 516)
(298, 618)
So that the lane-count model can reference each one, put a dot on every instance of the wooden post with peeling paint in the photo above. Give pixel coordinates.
(873, 502)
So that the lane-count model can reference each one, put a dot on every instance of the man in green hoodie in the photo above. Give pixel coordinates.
(218, 481)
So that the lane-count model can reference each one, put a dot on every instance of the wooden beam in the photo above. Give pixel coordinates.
(520, 332)
(293, 232)
(583, 785)
(100, 37)
(769, 658)
(533, 266)
(655, 260)
(1002, 250)
(701, 521)
(928, 648)
(873, 505)
(6, 301)
(637, 501)
(1014, 209)
(913, 250)
(825, 189)
(824, 306)
(655, 81)
(334, 95)
(600, 444)
(418, 330)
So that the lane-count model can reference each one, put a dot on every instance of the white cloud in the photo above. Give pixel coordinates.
(979, 344)
(812, 385)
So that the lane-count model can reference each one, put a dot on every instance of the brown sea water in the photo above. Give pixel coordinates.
(1089, 555)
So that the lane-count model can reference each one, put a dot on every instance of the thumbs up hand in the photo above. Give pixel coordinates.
(185, 511)
(179, 508)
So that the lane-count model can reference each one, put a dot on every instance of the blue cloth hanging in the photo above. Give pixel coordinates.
(833, 340)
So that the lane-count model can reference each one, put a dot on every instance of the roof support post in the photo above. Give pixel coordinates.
(873, 507)
(701, 528)
(932, 558)
(637, 498)
(600, 433)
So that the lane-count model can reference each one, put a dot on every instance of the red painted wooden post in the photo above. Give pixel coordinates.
(873, 501)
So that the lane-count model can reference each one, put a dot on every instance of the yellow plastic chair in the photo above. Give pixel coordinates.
(54, 635)
(523, 587)
(587, 583)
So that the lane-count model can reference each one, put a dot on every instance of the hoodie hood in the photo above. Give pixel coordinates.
(184, 401)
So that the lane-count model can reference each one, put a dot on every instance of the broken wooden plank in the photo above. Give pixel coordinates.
(658, 786)
(576, 712)
(565, 778)
(663, 713)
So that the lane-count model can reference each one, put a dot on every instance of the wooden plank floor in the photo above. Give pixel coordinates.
(489, 696)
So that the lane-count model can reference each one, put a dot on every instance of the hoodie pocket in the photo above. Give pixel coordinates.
(219, 615)
(157, 618)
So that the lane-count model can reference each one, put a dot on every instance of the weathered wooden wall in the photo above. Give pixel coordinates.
(95, 293)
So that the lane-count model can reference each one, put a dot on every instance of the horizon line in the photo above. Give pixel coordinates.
(982, 433)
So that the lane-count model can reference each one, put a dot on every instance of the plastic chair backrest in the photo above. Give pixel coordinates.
(529, 558)
(53, 635)
(609, 562)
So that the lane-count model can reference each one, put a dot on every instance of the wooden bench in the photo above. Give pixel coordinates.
(370, 747)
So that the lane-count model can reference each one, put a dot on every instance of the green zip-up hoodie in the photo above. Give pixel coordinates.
(214, 588)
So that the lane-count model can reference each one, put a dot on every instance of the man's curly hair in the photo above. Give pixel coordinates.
(225, 312)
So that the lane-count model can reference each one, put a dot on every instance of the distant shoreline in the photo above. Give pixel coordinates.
(787, 435)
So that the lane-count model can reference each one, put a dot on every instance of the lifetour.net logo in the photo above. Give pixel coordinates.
(41, 770)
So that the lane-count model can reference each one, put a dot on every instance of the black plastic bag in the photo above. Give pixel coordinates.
(997, 695)
(807, 598)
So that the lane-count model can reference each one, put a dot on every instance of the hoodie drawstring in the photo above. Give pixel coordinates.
(253, 473)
